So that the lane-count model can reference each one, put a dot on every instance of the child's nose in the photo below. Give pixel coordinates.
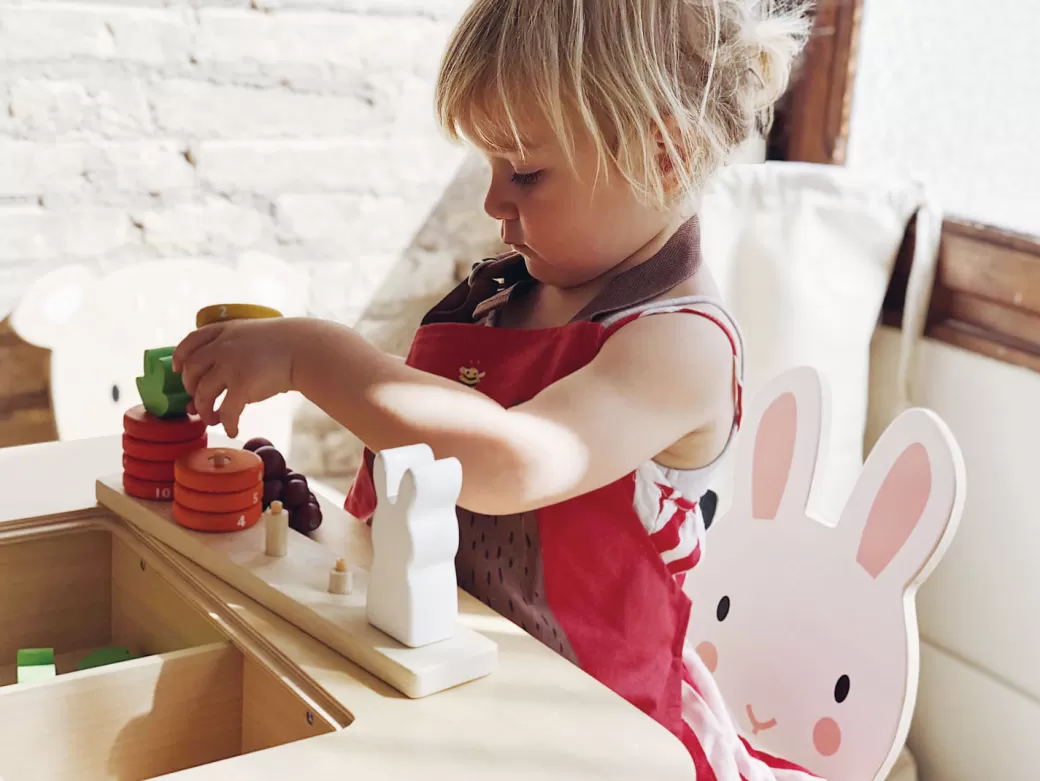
(498, 205)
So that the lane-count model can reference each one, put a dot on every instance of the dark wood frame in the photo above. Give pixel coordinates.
(987, 290)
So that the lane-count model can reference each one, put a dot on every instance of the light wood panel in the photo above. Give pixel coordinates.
(134, 720)
(273, 713)
(559, 725)
(56, 593)
(296, 587)
(147, 614)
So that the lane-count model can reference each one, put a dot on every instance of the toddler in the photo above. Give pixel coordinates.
(588, 380)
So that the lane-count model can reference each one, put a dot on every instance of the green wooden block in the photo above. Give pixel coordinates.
(103, 656)
(161, 388)
(36, 664)
(32, 656)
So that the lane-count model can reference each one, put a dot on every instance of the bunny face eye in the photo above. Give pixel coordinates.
(723, 609)
(841, 689)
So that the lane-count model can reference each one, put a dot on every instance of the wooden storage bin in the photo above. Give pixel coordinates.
(190, 699)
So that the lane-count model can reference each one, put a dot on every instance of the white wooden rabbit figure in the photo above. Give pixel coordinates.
(412, 589)
(809, 628)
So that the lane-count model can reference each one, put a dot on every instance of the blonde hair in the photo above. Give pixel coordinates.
(693, 75)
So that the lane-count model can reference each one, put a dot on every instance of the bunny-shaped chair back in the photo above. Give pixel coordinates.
(809, 627)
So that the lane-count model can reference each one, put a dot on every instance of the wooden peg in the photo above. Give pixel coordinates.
(276, 523)
(341, 579)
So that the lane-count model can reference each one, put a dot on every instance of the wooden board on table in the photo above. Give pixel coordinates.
(296, 588)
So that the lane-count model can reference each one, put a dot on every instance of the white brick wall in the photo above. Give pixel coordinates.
(134, 129)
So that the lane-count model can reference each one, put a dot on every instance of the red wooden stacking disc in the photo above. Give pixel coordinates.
(158, 471)
(218, 503)
(141, 424)
(161, 451)
(219, 470)
(216, 522)
(147, 489)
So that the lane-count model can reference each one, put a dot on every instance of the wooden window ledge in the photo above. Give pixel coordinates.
(987, 292)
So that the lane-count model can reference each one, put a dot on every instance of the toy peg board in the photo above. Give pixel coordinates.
(296, 587)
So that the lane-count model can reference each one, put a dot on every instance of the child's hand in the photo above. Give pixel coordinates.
(250, 359)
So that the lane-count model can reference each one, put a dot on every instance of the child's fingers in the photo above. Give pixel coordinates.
(209, 387)
(192, 342)
(200, 363)
(231, 411)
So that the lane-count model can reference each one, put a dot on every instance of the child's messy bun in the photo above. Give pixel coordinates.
(684, 78)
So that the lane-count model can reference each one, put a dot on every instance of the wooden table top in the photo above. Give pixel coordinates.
(537, 717)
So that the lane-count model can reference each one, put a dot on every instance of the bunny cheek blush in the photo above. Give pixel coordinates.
(827, 737)
(807, 625)
(709, 654)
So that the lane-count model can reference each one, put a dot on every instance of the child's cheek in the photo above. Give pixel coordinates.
(709, 654)
(827, 737)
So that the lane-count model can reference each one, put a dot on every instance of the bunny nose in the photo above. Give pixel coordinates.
(756, 725)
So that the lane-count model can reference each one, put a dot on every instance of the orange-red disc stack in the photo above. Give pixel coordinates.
(218, 489)
(151, 445)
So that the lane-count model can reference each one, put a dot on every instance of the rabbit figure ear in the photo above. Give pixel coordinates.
(431, 486)
(391, 465)
(907, 503)
(779, 447)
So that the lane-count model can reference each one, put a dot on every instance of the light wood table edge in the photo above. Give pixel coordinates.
(537, 716)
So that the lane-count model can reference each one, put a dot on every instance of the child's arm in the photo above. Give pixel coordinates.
(654, 381)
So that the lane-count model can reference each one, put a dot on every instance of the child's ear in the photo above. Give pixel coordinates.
(664, 157)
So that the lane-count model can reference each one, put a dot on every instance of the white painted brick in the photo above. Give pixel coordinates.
(391, 165)
(433, 9)
(28, 169)
(62, 31)
(141, 167)
(37, 168)
(33, 233)
(341, 291)
(348, 222)
(214, 227)
(319, 39)
(63, 108)
(205, 110)
(15, 278)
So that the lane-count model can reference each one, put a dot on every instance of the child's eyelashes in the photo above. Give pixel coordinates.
(526, 179)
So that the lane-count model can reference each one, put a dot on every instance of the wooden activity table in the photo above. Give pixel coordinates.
(224, 687)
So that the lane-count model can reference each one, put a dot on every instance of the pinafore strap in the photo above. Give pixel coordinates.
(495, 281)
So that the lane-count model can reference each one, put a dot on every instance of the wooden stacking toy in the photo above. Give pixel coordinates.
(218, 489)
(151, 445)
(218, 313)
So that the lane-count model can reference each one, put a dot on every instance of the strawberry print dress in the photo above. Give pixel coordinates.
(597, 578)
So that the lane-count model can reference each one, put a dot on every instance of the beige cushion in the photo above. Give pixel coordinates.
(804, 255)
(905, 768)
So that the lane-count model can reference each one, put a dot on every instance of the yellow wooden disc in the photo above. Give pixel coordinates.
(220, 312)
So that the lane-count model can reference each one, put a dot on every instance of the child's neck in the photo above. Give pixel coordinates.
(548, 306)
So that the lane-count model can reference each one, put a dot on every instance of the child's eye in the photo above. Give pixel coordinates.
(526, 180)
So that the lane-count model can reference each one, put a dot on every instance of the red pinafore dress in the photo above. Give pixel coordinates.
(597, 578)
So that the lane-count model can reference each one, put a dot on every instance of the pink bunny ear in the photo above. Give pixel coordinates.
(779, 446)
(906, 505)
(774, 452)
(897, 509)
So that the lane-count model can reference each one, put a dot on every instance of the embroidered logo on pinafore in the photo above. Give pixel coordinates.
(470, 376)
